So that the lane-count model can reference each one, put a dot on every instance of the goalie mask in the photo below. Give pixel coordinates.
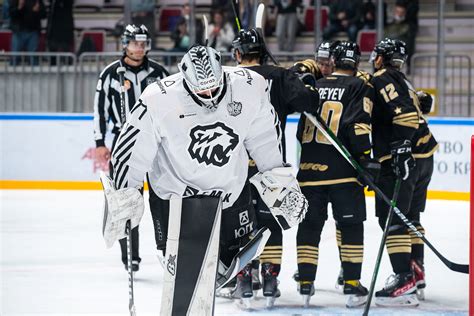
(203, 75)
(392, 51)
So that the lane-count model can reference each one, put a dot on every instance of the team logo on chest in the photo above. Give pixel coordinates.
(234, 108)
(212, 144)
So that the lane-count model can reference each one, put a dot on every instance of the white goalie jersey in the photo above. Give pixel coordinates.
(189, 150)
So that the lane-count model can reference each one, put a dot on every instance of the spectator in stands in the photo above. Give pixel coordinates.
(184, 18)
(143, 13)
(404, 25)
(369, 15)
(287, 23)
(25, 24)
(344, 16)
(180, 37)
(60, 27)
(221, 33)
(5, 15)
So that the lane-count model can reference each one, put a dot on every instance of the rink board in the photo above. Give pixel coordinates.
(56, 151)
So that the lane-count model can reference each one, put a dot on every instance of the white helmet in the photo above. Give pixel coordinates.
(202, 71)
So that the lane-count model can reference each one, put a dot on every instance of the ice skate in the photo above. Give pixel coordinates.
(419, 272)
(356, 292)
(340, 280)
(400, 290)
(243, 290)
(270, 284)
(306, 289)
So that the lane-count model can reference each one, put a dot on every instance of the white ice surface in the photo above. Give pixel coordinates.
(54, 262)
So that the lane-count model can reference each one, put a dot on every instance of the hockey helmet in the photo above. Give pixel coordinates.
(136, 33)
(325, 49)
(249, 43)
(346, 55)
(393, 52)
(202, 72)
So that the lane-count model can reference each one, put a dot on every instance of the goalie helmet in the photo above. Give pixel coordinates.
(202, 72)
(393, 52)
(249, 43)
(346, 55)
(136, 33)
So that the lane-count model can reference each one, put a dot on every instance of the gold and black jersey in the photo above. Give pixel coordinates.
(423, 143)
(346, 110)
(396, 114)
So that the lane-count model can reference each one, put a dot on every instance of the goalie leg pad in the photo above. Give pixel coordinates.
(191, 256)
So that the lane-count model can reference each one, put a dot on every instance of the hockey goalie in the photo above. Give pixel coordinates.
(191, 134)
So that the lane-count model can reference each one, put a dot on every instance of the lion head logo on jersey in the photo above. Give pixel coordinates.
(212, 144)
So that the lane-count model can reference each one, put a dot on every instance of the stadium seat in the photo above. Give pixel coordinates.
(168, 18)
(309, 18)
(5, 40)
(42, 42)
(366, 40)
(97, 37)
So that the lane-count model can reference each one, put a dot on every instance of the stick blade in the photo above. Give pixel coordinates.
(259, 16)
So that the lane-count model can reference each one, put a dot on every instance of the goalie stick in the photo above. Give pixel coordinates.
(249, 252)
(128, 227)
(328, 133)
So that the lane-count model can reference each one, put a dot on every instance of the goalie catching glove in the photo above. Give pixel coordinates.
(280, 191)
(120, 206)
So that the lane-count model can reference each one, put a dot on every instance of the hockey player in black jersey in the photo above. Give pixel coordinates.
(140, 71)
(287, 94)
(325, 176)
(405, 147)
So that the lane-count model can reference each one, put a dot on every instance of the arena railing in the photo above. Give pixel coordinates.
(454, 92)
(62, 82)
(37, 82)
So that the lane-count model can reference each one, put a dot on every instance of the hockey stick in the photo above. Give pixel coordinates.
(396, 190)
(128, 227)
(259, 27)
(328, 133)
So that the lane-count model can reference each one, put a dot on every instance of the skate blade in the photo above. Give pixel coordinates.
(420, 294)
(306, 299)
(270, 302)
(356, 301)
(399, 301)
(244, 303)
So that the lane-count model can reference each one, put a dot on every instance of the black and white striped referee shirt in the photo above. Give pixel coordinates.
(107, 95)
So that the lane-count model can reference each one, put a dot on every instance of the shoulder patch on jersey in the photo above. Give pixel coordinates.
(234, 108)
(169, 83)
(212, 144)
(380, 72)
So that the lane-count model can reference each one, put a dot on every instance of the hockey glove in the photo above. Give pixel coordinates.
(372, 170)
(308, 71)
(280, 191)
(426, 101)
(120, 206)
(402, 159)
